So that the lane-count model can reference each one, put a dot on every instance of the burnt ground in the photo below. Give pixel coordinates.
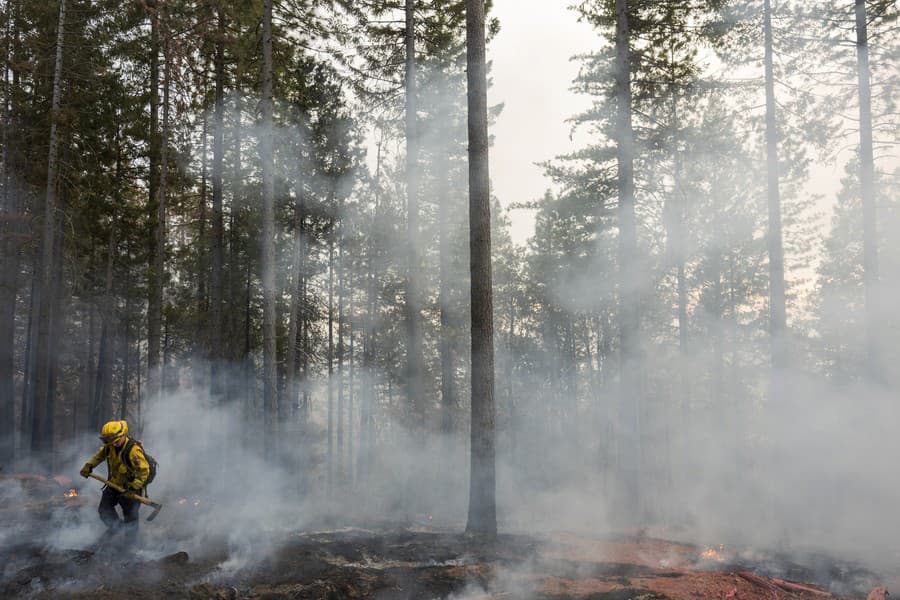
(399, 564)
(389, 561)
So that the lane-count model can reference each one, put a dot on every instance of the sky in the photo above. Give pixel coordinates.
(532, 73)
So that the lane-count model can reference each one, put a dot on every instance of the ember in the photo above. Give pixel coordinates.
(71, 493)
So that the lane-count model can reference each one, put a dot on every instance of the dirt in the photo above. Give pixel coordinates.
(391, 562)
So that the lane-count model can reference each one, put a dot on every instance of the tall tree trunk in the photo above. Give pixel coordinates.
(238, 206)
(27, 412)
(448, 383)
(350, 385)
(340, 358)
(159, 257)
(42, 423)
(154, 273)
(270, 409)
(248, 386)
(54, 328)
(202, 342)
(631, 394)
(304, 325)
(777, 313)
(867, 190)
(367, 402)
(482, 484)
(295, 327)
(413, 325)
(126, 351)
(215, 281)
(330, 359)
(103, 387)
(90, 376)
(10, 252)
(105, 360)
(511, 405)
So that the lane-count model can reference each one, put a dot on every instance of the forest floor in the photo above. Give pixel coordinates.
(393, 562)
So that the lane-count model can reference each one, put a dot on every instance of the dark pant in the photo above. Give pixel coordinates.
(109, 515)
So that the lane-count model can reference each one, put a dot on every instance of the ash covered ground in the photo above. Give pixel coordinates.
(52, 547)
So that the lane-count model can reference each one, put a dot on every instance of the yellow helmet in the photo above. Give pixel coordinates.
(113, 431)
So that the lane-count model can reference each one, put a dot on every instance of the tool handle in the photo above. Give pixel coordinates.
(128, 493)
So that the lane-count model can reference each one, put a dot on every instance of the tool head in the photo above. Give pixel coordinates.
(156, 509)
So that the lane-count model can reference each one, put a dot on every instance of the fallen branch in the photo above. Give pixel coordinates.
(761, 582)
(797, 587)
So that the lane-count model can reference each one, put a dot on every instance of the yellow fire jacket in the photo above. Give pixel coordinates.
(121, 471)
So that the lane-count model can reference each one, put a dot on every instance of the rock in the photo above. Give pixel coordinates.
(179, 558)
(879, 593)
(211, 591)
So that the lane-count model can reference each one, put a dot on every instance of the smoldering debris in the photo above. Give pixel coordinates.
(397, 563)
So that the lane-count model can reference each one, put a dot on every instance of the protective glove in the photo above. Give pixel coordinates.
(86, 470)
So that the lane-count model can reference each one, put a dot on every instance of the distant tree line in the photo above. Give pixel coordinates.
(269, 203)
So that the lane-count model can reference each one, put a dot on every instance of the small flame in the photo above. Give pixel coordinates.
(71, 493)
(182, 501)
(716, 554)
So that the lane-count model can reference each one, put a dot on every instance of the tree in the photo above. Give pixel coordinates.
(413, 315)
(157, 226)
(10, 248)
(268, 238)
(43, 416)
(216, 322)
(482, 483)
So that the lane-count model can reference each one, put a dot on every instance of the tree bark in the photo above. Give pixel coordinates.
(413, 317)
(295, 326)
(159, 258)
(350, 385)
(448, 381)
(629, 434)
(236, 324)
(10, 251)
(154, 274)
(330, 358)
(103, 387)
(42, 423)
(270, 409)
(8, 289)
(340, 358)
(28, 385)
(126, 352)
(215, 281)
(202, 341)
(482, 485)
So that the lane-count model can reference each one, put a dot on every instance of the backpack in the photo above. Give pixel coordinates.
(154, 465)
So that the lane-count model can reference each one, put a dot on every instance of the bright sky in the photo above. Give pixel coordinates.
(532, 74)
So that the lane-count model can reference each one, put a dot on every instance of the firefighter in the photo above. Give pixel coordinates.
(128, 468)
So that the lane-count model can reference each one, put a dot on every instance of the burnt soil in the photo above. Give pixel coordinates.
(383, 561)
(397, 563)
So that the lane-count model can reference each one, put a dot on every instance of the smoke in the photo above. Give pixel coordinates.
(722, 458)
